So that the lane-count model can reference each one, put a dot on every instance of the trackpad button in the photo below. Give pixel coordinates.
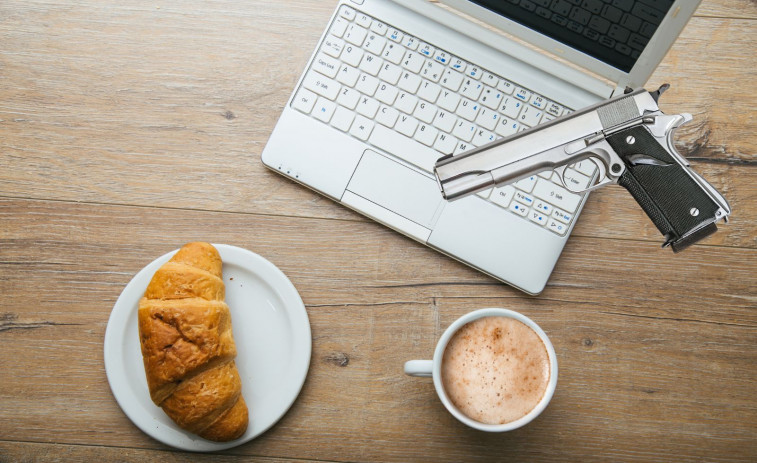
(397, 188)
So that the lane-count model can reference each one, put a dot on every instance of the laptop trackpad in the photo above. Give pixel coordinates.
(398, 188)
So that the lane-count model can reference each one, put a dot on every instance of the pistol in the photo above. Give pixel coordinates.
(628, 138)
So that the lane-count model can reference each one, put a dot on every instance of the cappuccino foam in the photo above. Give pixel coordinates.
(495, 369)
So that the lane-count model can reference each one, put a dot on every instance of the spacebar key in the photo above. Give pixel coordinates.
(404, 148)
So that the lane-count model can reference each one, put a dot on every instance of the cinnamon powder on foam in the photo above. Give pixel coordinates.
(495, 369)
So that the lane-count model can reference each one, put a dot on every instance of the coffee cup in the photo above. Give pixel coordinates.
(499, 374)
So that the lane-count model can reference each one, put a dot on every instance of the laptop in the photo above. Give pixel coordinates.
(394, 85)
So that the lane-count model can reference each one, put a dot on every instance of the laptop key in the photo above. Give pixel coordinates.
(406, 102)
(444, 121)
(326, 65)
(594, 6)
(342, 118)
(429, 91)
(387, 116)
(483, 137)
(468, 109)
(599, 24)
(647, 13)
(503, 195)
(348, 97)
(362, 128)
(340, 25)
(375, 44)
(528, 5)
(562, 216)
(519, 209)
(321, 85)
(647, 29)
(426, 134)
(464, 130)
(406, 125)
(561, 7)
(612, 14)
(333, 46)
(543, 12)
(638, 42)
(348, 75)
(368, 107)
(623, 48)
(557, 227)
(395, 35)
(559, 20)
(425, 111)
(355, 34)
(630, 22)
(379, 28)
(607, 41)
(506, 127)
(363, 20)
(556, 195)
(580, 16)
(347, 13)
(624, 5)
(445, 143)
(367, 84)
(323, 109)
(618, 33)
(304, 100)
(352, 55)
(386, 93)
(371, 64)
(522, 94)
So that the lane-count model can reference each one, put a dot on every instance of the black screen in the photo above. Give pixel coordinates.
(613, 31)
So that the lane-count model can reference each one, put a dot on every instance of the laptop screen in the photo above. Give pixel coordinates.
(612, 31)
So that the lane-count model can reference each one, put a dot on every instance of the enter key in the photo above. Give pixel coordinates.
(575, 180)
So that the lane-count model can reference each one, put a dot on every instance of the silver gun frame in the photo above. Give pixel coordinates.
(551, 146)
(564, 141)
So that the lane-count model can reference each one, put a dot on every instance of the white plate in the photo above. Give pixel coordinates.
(271, 332)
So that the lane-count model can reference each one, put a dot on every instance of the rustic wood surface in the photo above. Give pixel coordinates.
(129, 128)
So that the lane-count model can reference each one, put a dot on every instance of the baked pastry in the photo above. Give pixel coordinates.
(188, 348)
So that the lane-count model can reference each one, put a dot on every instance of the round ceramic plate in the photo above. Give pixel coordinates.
(271, 332)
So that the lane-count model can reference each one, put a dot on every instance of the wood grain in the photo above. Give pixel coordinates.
(630, 365)
(28, 452)
(158, 128)
(128, 129)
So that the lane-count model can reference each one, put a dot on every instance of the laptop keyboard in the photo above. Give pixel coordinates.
(622, 25)
(418, 102)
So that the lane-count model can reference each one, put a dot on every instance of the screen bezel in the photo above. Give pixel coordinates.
(670, 27)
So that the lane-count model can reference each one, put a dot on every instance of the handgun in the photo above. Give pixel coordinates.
(628, 138)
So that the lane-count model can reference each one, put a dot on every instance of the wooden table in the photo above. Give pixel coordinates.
(130, 128)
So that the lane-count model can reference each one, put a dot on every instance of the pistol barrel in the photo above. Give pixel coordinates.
(546, 146)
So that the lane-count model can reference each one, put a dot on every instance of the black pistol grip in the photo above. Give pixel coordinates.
(677, 205)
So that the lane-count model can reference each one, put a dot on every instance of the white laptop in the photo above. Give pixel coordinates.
(394, 85)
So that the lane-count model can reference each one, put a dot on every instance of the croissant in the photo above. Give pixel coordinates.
(187, 345)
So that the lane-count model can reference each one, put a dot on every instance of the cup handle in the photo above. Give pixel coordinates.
(423, 368)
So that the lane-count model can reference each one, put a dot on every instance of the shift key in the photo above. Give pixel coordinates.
(321, 85)
(556, 195)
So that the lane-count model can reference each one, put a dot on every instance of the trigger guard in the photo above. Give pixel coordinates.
(601, 178)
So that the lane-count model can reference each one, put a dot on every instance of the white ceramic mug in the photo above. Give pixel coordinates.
(433, 368)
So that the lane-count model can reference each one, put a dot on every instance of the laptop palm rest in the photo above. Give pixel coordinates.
(381, 188)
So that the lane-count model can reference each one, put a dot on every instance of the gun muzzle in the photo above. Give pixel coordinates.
(464, 185)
